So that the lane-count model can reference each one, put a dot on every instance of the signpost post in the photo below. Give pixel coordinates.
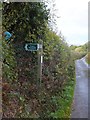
(40, 61)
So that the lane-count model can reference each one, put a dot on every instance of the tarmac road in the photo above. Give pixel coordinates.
(80, 103)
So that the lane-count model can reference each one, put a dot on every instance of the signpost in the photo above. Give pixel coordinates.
(39, 48)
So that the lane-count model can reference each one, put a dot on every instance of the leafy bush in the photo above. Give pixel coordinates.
(88, 58)
(9, 62)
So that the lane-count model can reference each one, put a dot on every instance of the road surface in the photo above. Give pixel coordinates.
(80, 103)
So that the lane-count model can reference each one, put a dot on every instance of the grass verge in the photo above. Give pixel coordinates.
(64, 101)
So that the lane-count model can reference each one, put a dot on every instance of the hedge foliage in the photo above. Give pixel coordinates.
(28, 22)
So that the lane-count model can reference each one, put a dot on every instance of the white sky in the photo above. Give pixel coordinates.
(73, 21)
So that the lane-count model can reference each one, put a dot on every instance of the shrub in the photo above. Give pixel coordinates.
(88, 58)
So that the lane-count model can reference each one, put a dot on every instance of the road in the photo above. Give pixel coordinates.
(80, 103)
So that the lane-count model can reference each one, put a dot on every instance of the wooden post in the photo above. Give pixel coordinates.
(40, 62)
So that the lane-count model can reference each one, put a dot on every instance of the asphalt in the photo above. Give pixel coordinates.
(80, 102)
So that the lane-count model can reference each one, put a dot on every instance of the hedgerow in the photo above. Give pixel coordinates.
(20, 67)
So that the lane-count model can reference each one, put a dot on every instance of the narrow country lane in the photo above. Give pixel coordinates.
(80, 103)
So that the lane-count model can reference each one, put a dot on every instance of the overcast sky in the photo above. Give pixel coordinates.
(73, 21)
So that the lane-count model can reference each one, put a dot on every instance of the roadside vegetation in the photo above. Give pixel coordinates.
(88, 58)
(29, 22)
(79, 51)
